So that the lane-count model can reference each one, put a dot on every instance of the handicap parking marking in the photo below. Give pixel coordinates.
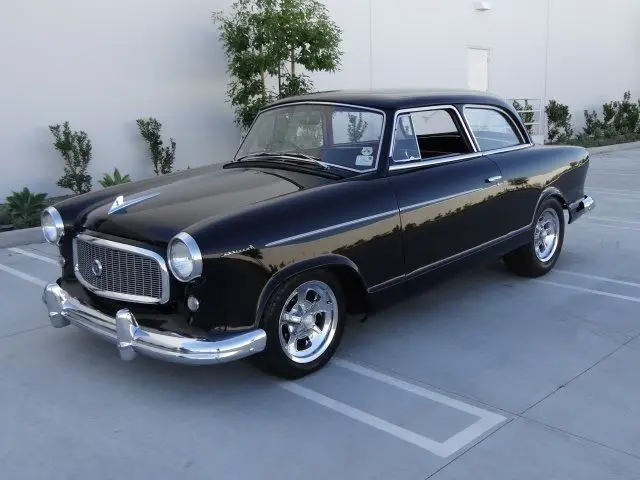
(36, 256)
(486, 420)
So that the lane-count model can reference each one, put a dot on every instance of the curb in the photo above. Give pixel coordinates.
(23, 236)
(614, 148)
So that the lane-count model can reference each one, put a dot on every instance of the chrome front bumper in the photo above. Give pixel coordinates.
(579, 208)
(130, 338)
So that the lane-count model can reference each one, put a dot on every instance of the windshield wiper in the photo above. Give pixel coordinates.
(292, 157)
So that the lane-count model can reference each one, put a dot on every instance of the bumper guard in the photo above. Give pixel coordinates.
(130, 338)
(579, 208)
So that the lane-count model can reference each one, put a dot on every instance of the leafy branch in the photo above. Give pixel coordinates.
(162, 156)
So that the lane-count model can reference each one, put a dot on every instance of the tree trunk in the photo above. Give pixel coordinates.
(293, 62)
(264, 85)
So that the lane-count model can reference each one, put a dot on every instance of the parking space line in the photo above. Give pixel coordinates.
(615, 220)
(24, 276)
(616, 193)
(42, 258)
(596, 277)
(487, 420)
(425, 443)
(588, 290)
(592, 223)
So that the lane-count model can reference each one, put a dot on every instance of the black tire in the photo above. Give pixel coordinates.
(273, 359)
(524, 261)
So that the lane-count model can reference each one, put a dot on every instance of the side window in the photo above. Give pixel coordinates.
(491, 128)
(355, 126)
(428, 134)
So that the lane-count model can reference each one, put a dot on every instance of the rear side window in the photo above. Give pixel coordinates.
(428, 134)
(491, 128)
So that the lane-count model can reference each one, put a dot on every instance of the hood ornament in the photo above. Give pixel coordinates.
(120, 204)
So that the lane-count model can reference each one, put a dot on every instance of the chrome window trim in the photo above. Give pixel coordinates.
(125, 248)
(480, 106)
(404, 111)
(334, 104)
(457, 158)
(195, 252)
(332, 227)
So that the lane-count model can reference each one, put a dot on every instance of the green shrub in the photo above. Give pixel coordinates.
(5, 218)
(24, 208)
(75, 148)
(527, 116)
(117, 179)
(161, 156)
(559, 122)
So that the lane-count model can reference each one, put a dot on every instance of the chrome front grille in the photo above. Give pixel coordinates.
(120, 271)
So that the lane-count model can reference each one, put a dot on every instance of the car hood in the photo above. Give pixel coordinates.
(183, 200)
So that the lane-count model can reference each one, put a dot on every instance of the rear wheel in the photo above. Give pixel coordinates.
(540, 255)
(304, 322)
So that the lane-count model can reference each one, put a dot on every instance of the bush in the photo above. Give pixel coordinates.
(5, 218)
(24, 208)
(75, 148)
(161, 156)
(117, 179)
(559, 122)
(526, 114)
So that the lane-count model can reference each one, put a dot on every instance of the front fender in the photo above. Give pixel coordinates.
(323, 261)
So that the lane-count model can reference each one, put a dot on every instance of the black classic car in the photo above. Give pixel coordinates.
(331, 199)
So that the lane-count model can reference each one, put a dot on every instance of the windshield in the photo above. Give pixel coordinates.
(342, 136)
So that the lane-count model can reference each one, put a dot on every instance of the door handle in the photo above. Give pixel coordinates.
(494, 179)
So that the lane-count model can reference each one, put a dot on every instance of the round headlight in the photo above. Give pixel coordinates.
(185, 259)
(52, 225)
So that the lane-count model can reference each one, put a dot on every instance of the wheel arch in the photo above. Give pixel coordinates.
(550, 192)
(346, 271)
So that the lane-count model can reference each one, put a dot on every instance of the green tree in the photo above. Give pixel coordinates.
(356, 127)
(75, 148)
(270, 46)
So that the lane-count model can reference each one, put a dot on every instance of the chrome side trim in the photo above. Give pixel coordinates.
(479, 106)
(441, 199)
(335, 104)
(131, 339)
(125, 248)
(444, 261)
(332, 227)
(120, 203)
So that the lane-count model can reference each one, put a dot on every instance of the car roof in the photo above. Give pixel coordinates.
(395, 99)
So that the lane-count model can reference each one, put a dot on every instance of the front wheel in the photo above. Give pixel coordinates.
(541, 254)
(304, 322)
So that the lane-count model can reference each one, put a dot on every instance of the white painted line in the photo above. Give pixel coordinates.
(592, 223)
(411, 388)
(596, 277)
(24, 276)
(425, 443)
(589, 290)
(616, 193)
(613, 190)
(486, 422)
(614, 220)
(42, 258)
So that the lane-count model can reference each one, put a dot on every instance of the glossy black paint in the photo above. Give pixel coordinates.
(257, 224)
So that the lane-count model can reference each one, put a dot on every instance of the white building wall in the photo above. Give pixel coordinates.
(101, 65)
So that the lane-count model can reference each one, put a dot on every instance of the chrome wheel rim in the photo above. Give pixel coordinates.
(308, 321)
(546, 235)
